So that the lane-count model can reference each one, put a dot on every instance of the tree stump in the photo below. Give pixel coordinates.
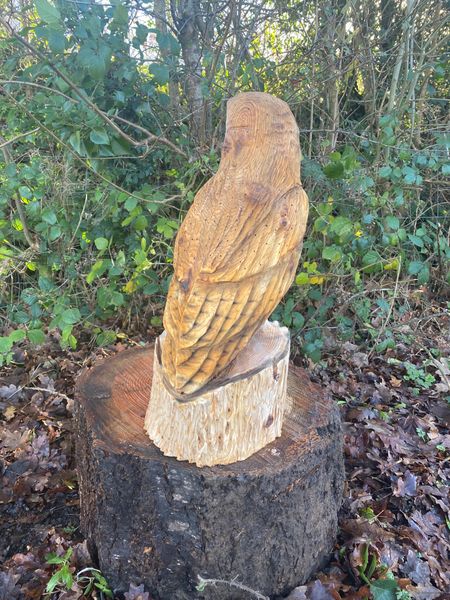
(269, 520)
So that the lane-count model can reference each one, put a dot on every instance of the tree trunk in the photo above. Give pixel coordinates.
(161, 24)
(188, 36)
(270, 520)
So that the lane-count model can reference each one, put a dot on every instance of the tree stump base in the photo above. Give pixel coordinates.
(270, 520)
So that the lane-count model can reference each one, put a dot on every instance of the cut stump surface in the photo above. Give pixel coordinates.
(269, 520)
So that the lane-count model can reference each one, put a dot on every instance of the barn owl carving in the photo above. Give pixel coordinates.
(237, 250)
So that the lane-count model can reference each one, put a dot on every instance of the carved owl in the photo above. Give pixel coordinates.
(237, 250)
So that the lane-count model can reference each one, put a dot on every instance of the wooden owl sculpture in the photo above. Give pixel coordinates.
(237, 250)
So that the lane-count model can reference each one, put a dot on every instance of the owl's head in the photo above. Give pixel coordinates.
(260, 113)
(260, 122)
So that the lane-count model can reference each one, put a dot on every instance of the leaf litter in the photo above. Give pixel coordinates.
(394, 526)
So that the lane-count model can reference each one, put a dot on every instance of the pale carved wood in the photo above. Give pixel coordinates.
(238, 248)
(234, 418)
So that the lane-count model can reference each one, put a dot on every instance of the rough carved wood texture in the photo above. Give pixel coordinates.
(270, 520)
(228, 422)
(238, 248)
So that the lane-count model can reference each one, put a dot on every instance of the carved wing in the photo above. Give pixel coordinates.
(233, 264)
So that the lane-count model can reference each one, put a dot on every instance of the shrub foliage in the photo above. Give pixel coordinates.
(112, 115)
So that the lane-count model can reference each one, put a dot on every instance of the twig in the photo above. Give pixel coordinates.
(17, 137)
(54, 392)
(204, 582)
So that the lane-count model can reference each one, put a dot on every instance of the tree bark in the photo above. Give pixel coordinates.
(188, 36)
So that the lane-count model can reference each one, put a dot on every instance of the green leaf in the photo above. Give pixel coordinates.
(48, 12)
(140, 223)
(66, 575)
(372, 261)
(141, 33)
(70, 316)
(36, 336)
(160, 73)
(392, 222)
(55, 232)
(49, 216)
(298, 320)
(167, 42)
(17, 335)
(130, 204)
(54, 559)
(385, 171)
(105, 338)
(5, 345)
(415, 267)
(302, 279)
(334, 170)
(424, 275)
(75, 141)
(384, 589)
(416, 240)
(56, 40)
(54, 580)
(332, 253)
(341, 226)
(99, 137)
(97, 269)
(25, 192)
(101, 243)
(409, 175)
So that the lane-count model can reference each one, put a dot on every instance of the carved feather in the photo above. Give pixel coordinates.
(237, 250)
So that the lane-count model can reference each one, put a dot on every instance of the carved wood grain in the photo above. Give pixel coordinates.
(238, 248)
